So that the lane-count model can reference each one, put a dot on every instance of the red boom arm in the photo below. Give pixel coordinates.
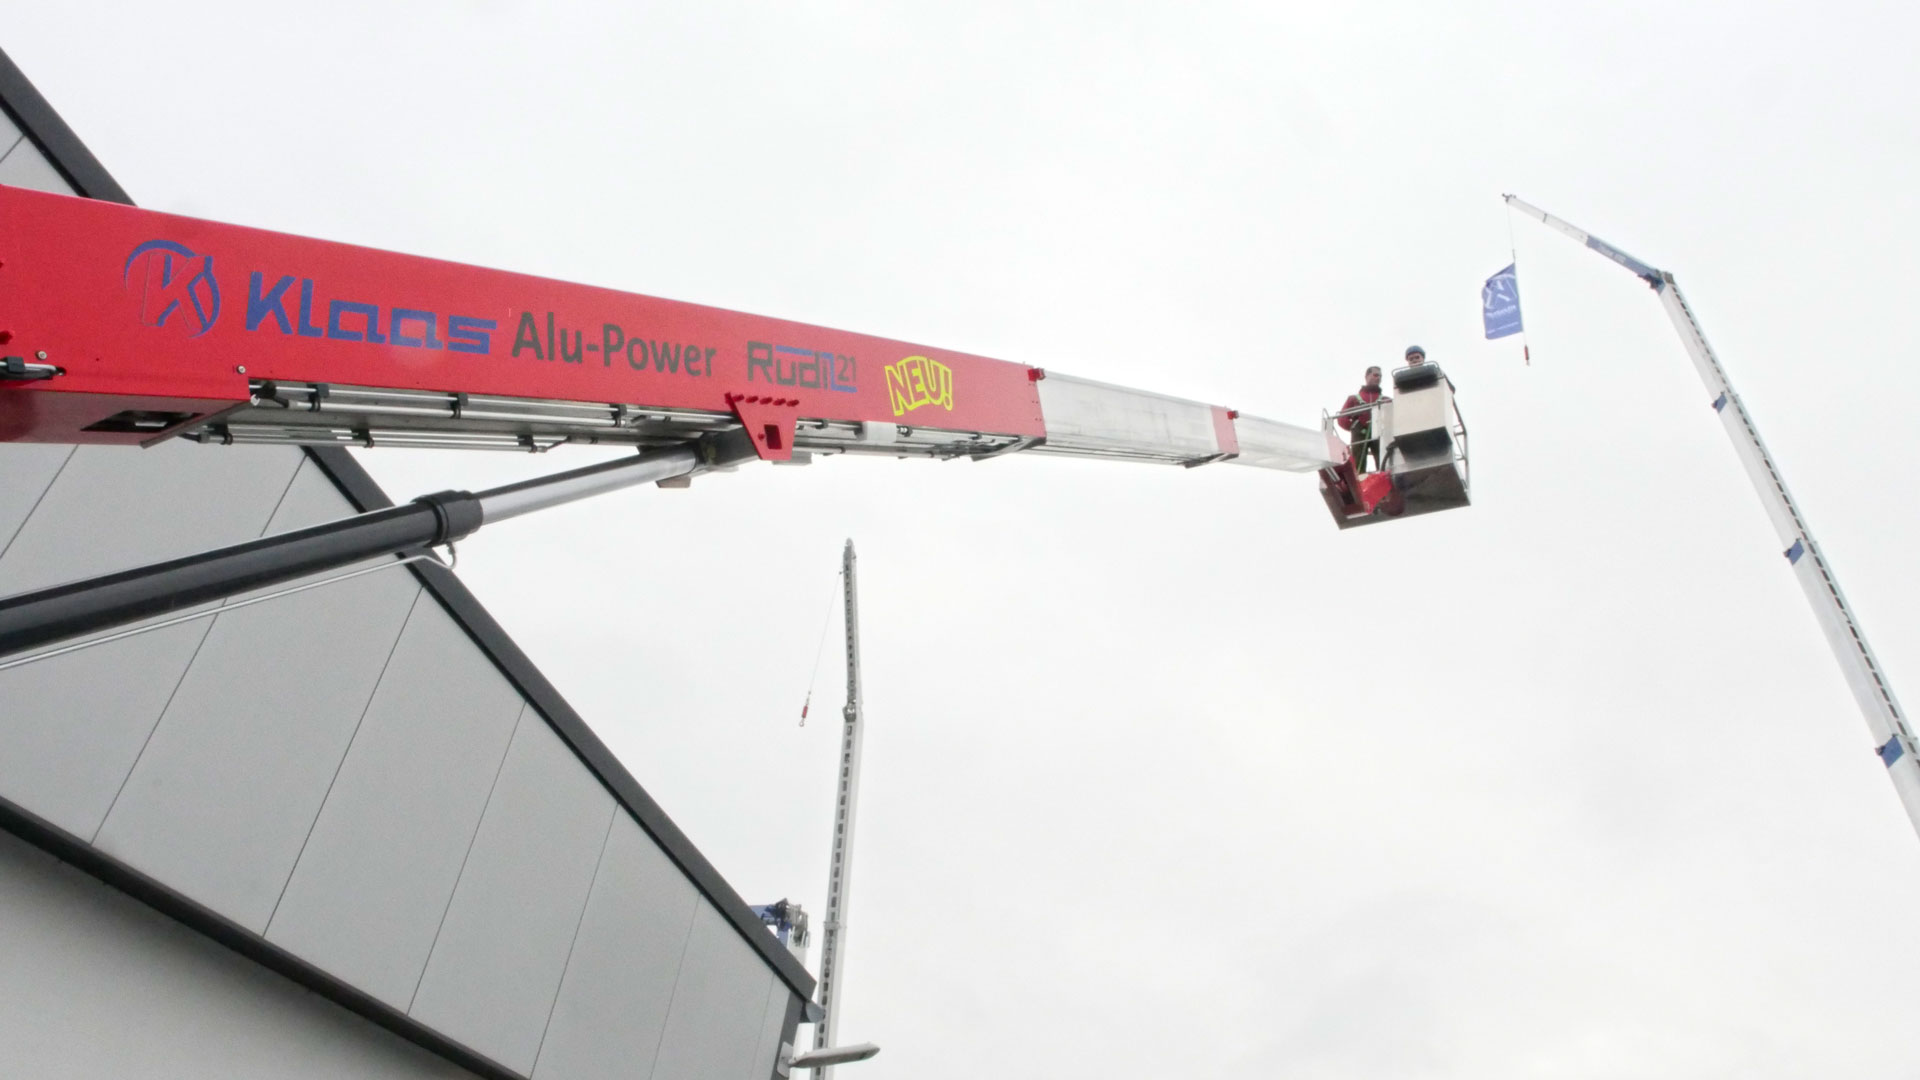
(157, 313)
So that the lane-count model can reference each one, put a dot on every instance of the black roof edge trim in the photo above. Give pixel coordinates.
(89, 860)
(55, 139)
(365, 494)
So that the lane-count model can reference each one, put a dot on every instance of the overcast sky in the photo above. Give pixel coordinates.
(1165, 775)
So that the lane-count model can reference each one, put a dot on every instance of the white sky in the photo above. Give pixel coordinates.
(1165, 775)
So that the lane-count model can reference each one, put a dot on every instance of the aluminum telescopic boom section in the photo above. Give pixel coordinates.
(840, 871)
(1892, 739)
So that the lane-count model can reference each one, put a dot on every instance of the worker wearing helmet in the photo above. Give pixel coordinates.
(1419, 369)
(1358, 419)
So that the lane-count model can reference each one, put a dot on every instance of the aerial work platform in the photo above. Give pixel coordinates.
(1424, 464)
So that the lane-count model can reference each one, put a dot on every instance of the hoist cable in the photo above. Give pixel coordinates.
(826, 623)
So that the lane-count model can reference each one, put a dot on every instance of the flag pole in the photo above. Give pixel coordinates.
(1513, 253)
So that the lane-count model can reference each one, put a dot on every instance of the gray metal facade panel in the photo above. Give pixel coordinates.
(226, 790)
(99, 985)
(104, 701)
(310, 500)
(497, 963)
(773, 1029)
(26, 167)
(76, 723)
(613, 1002)
(29, 470)
(574, 730)
(72, 726)
(116, 507)
(719, 1004)
(375, 878)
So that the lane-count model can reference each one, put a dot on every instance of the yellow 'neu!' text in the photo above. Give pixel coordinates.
(918, 381)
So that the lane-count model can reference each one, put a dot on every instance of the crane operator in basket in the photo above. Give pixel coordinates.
(1417, 358)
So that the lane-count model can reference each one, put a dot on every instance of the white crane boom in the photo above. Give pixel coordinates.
(1892, 739)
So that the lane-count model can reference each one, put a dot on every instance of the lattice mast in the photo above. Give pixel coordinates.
(840, 866)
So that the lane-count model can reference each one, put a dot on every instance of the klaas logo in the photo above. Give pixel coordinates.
(176, 287)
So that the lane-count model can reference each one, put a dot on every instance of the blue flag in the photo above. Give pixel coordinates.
(1500, 304)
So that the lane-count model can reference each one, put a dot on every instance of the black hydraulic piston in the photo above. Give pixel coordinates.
(49, 616)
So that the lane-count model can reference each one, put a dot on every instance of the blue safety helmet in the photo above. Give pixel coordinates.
(1412, 350)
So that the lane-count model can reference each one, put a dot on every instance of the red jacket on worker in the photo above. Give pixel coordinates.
(1367, 396)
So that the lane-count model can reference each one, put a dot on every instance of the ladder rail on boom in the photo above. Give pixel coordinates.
(1893, 740)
